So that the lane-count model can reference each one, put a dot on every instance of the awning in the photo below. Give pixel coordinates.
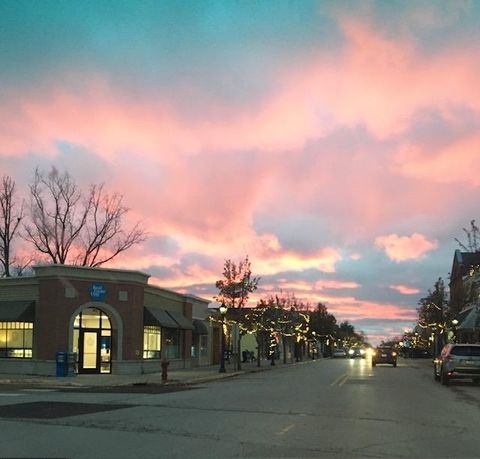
(157, 316)
(17, 311)
(199, 327)
(471, 321)
(181, 320)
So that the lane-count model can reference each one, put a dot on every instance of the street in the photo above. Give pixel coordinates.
(324, 408)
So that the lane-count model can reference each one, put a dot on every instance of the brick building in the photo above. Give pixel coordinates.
(113, 320)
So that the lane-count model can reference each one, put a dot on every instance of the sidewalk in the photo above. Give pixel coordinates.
(195, 375)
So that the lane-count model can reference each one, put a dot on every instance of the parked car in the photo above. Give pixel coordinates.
(384, 354)
(339, 353)
(457, 361)
(419, 353)
(356, 352)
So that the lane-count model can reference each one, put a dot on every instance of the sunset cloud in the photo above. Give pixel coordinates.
(402, 248)
(357, 309)
(405, 289)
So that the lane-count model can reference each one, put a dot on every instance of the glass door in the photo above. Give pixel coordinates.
(89, 351)
(92, 341)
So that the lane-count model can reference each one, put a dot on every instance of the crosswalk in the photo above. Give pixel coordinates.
(24, 392)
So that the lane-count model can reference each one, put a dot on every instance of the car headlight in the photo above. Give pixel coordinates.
(351, 351)
(362, 351)
(394, 354)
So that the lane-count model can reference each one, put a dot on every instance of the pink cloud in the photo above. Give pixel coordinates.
(376, 82)
(355, 256)
(356, 309)
(457, 161)
(335, 284)
(305, 286)
(402, 248)
(405, 289)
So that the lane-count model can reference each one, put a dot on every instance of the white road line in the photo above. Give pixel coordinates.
(337, 381)
(286, 429)
(11, 395)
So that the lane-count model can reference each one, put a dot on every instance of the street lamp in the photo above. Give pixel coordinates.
(223, 312)
(454, 330)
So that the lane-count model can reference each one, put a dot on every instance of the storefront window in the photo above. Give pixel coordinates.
(200, 346)
(203, 345)
(172, 343)
(16, 340)
(152, 342)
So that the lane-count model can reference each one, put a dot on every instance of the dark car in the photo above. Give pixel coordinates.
(384, 354)
(457, 361)
(419, 353)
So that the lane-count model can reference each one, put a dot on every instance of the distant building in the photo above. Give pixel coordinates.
(109, 320)
(464, 295)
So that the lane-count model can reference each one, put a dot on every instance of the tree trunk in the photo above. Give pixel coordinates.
(258, 350)
(239, 352)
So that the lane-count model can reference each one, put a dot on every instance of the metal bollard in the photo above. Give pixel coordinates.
(165, 364)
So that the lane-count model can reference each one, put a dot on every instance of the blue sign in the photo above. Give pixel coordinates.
(97, 292)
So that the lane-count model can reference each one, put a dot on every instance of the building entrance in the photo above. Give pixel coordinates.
(92, 341)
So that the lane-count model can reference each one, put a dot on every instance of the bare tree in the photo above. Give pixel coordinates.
(104, 237)
(473, 238)
(11, 214)
(68, 227)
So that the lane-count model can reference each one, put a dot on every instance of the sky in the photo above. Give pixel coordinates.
(336, 143)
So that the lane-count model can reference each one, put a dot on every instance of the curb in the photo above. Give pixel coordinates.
(69, 381)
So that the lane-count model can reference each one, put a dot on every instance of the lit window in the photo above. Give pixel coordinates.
(16, 340)
(152, 342)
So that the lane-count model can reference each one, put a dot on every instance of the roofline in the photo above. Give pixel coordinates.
(156, 289)
(86, 272)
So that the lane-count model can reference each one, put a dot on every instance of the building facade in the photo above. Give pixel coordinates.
(109, 320)
(464, 296)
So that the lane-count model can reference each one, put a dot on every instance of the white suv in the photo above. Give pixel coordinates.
(457, 361)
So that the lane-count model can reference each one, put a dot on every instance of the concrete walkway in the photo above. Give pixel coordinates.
(195, 375)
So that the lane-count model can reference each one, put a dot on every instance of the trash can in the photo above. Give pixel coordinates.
(72, 364)
(61, 364)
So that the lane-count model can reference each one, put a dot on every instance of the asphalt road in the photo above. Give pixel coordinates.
(326, 408)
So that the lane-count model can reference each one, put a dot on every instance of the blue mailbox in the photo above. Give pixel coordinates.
(61, 364)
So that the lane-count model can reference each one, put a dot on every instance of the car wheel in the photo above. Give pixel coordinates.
(444, 378)
(435, 376)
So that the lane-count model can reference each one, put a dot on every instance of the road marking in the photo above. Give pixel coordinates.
(10, 395)
(286, 429)
(343, 381)
(340, 378)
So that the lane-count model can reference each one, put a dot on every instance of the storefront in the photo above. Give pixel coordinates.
(112, 320)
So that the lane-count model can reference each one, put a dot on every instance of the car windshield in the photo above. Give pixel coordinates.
(471, 351)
